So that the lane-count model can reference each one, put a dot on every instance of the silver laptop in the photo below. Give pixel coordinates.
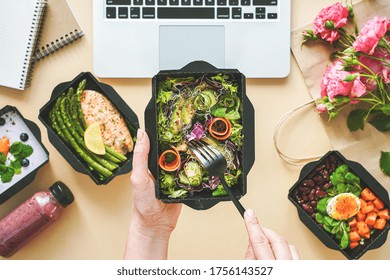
(137, 38)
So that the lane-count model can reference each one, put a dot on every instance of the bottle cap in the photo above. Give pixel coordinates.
(62, 193)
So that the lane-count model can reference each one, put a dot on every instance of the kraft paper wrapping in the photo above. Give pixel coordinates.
(361, 146)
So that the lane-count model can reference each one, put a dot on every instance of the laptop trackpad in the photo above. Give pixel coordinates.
(180, 45)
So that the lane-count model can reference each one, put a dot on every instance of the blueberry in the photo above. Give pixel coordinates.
(24, 137)
(25, 162)
(2, 121)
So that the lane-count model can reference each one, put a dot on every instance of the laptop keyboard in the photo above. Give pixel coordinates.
(192, 9)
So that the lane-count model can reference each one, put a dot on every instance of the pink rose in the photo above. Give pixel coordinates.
(377, 67)
(321, 108)
(333, 83)
(369, 36)
(335, 13)
(358, 88)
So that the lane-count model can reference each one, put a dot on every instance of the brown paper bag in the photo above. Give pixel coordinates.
(362, 146)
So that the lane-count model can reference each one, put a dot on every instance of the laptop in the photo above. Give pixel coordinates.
(138, 38)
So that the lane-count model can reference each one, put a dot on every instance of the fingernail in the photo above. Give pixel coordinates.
(140, 134)
(250, 213)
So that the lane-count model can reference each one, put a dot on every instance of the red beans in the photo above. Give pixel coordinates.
(313, 187)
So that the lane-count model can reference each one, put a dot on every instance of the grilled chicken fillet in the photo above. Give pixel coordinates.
(115, 134)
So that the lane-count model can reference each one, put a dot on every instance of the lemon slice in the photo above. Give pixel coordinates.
(93, 139)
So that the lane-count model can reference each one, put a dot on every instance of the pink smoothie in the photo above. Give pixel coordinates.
(31, 218)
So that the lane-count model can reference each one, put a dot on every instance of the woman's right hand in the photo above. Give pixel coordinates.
(264, 243)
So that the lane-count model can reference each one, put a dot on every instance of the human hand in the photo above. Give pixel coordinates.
(264, 243)
(152, 220)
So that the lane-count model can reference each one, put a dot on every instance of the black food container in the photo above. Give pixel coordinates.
(65, 149)
(202, 200)
(321, 168)
(12, 125)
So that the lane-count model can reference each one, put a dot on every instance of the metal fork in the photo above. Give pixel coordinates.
(215, 164)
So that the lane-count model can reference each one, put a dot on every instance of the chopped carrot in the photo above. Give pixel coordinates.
(376, 210)
(363, 203)
(380, 223)
(367, 194)
(371, 218)
(354, 236)
(362, 228)
(352, 222)
(384, 214)
(378, 203)
(353, 229)
(367, 235)
(4, 145)
(369, 208)
(353, 245)
(360, 216)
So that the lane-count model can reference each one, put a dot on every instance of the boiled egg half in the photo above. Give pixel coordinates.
(343, 206)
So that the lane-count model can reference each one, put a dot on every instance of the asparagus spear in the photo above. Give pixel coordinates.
(70, 139)
(64, 104)
(73, 103)
(79, 94)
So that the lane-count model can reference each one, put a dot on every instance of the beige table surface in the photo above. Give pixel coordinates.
(96, 225)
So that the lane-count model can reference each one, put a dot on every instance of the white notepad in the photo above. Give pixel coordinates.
(20, 21)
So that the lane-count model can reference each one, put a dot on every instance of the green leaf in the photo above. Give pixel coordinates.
(17, 166)
(319, 218)
(344, 242)
(3, 168)
(385, 109)
(385, 162)
(341, 188)
(218, 112)
(352, 178)
(8, 175)
(3, 158)
(321, 205)
(16, 148)
(355, 119)
(27, 151)
(381, 122)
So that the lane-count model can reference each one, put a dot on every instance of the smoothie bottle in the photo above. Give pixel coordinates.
(32, 216)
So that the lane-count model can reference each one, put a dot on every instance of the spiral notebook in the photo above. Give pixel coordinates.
(59, 29)
(20, 22)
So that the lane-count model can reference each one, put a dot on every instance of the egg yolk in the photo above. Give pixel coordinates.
(345, 206)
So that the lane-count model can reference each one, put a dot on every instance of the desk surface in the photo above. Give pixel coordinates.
(96, 225)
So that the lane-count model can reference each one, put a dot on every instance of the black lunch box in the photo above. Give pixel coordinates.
(202, 200)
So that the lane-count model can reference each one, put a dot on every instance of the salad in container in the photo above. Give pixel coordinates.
(199, 103)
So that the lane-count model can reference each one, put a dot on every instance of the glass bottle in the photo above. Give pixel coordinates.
(32, 216)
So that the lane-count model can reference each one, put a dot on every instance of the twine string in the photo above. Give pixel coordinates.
(282, 155)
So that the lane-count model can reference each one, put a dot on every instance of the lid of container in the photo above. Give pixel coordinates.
(62, 193)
